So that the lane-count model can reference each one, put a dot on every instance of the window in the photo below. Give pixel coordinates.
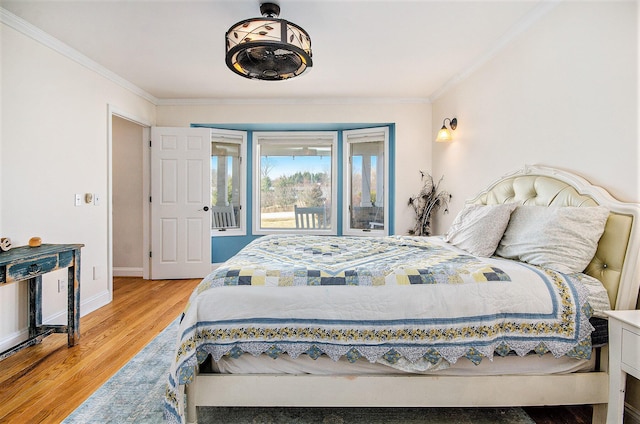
(295, 176)
(366, 176)
(228, 185)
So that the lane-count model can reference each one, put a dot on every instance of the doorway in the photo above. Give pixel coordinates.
(128, 183)
(126, 198)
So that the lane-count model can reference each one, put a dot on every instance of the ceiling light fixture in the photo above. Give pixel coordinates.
(444, 134)
(268, 48)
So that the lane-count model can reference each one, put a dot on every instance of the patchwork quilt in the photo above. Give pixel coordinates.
(383, 299)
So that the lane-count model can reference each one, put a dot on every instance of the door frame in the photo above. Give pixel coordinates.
(146, 136)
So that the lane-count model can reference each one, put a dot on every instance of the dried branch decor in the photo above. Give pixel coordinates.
(427, 203)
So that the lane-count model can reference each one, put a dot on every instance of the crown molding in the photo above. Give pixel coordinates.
(53, 43)
(293, 101)
(518, 28)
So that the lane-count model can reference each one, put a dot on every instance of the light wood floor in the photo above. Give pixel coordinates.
(45, 383)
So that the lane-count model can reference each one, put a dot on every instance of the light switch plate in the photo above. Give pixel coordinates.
(78, 200)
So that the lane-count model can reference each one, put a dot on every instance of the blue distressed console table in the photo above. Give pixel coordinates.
(29, 263)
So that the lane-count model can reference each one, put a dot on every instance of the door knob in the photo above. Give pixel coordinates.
(206, 208)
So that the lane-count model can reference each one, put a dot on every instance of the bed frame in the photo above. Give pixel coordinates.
(616, 264)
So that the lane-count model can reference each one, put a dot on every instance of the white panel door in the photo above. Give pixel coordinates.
(180, 203)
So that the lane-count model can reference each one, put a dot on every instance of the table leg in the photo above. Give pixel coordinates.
(73, 301)
(35, 305)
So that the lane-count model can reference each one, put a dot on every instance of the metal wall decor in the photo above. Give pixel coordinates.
(268, 48)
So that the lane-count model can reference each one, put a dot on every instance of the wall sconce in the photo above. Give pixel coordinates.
(444, 134)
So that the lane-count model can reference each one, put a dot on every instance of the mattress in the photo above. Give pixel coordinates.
(500, 365)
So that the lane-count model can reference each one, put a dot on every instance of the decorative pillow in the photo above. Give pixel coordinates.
(561, 238)
(478, 229)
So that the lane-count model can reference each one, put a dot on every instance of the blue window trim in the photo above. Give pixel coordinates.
(222, 248)
(340, 182)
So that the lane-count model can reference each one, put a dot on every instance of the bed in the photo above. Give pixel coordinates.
(495, 313)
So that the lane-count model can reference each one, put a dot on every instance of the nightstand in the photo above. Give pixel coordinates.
(624, 358)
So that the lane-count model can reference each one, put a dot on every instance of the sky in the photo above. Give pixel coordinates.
(286, 165)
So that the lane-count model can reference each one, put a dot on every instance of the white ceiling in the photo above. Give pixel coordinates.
(174, 49)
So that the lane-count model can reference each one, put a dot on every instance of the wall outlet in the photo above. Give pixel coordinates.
(62, 286)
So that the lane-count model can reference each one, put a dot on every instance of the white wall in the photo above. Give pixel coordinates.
(413, 124)
(54, 144)
(563, 94)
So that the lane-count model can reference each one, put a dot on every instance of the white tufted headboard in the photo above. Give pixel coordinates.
(616, 262)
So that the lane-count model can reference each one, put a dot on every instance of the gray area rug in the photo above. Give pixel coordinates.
(134, 395)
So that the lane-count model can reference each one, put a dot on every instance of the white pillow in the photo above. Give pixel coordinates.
(561, 238)
(478, 228)
(598, 296)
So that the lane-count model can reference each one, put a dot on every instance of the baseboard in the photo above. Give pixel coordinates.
(124, 271)
(96, 302)
(86, 307)
(13, 339)
(127, 272)
(631, 414)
